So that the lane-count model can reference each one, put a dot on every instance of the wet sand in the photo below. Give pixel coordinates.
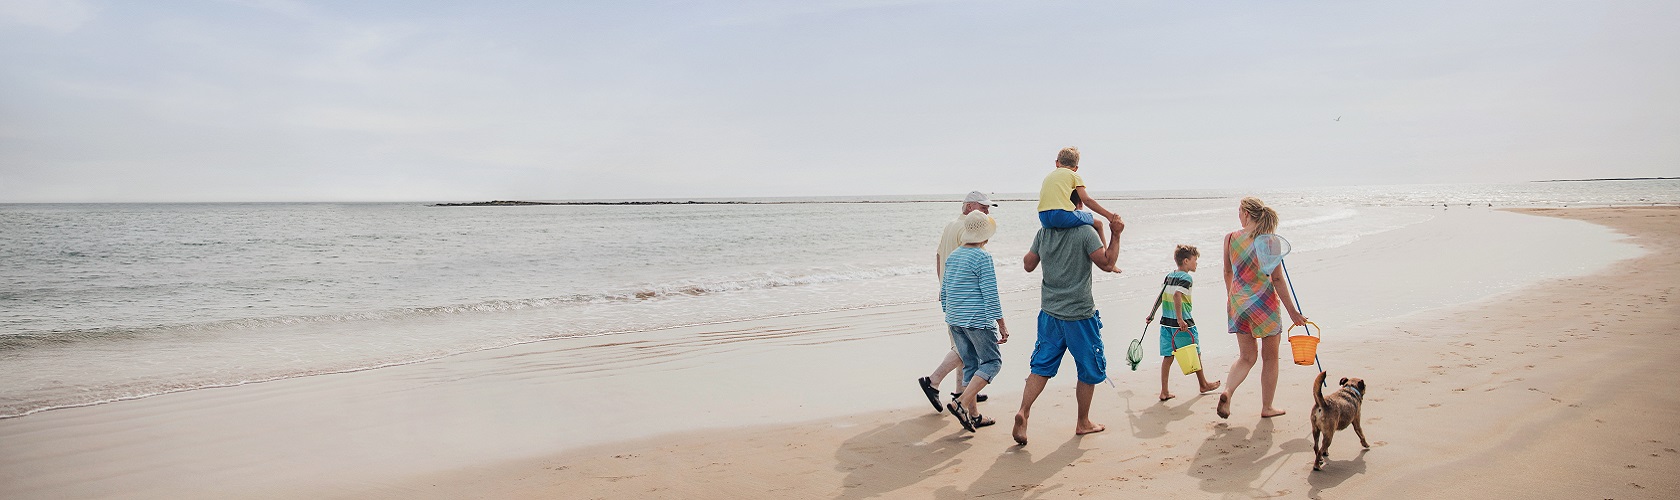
(1560, 388)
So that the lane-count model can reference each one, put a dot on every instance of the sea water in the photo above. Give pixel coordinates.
(105, 302)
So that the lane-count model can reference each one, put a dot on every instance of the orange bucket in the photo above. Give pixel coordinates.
(1305, 347)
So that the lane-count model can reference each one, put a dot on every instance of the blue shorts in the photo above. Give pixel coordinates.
(1183, 339)
(978, 349)
(1082, 339)
(1062, 219)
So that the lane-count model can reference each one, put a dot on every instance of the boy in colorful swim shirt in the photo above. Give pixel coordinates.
(1178, 328)
(1055, 198)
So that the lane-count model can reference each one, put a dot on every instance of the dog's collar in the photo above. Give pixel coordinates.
(1356, 392)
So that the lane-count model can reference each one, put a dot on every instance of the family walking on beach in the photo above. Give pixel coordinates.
(1069, 243)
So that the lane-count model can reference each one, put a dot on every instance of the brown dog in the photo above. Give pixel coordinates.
(1335, 413)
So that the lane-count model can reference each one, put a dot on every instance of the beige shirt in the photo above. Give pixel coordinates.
(948, 242)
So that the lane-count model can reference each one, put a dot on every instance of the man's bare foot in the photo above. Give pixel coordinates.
(1273, 413)
(1210, 387)
(1166, 396)
(1224, 408)
(1020, 431)
(1089, 428)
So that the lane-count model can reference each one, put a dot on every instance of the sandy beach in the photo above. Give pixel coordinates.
(1558, 388)
(1563, 390)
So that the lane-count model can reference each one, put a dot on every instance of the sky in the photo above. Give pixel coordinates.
(283, 100)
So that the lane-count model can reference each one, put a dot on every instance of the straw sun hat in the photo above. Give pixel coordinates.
(978, 227)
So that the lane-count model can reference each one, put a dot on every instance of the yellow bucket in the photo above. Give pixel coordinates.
(1305, 347)
(1188, 358)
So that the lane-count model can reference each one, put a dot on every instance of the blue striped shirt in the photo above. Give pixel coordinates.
(969, 290)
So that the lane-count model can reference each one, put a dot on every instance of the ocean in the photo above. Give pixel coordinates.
(106, 302)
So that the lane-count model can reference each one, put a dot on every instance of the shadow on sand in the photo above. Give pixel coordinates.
(1152, 421)
(1016, 475)
(1335, 471)
(894, 456)
(1234, 462)
(891, 457)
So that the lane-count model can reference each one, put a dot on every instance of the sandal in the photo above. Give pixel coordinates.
(962, 416)
(978, 398)
(981, 421)
(932, 394)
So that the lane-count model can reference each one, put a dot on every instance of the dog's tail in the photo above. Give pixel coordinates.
(1318, 388)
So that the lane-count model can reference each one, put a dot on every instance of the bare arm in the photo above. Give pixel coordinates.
(1178, 310)
(1030, 262)
(1226, 256)
(1105, 257)
(1281, 284)
(1092, 202)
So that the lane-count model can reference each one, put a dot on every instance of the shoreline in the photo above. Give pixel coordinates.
(758, 397)
(1510, 413)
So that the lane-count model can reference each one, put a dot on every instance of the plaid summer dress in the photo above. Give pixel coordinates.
(1253, 308)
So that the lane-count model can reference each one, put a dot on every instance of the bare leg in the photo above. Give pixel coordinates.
(1269, 375)
(1035, 386)
(970, 394)
(1083, 393)
(1201, 378)
(951, 362)
(1166, 371)
(1247, 354)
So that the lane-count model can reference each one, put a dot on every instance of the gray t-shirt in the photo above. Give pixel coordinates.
(1065, 256)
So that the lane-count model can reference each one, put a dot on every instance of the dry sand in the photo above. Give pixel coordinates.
(1563, 390)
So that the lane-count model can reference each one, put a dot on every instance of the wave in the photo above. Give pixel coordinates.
(641, 293)
(1343, 214)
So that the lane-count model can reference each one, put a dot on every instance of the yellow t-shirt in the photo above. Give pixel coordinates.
(1057, 192)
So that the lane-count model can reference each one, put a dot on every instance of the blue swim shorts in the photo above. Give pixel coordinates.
(1183, 339)
(1082, 339)
(1062, 219)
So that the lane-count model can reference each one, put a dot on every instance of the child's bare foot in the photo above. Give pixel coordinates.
(1166, 396)
(1272, 412)
(1089, 427)
(1020, 431)
(1207, 388)
(1224, 408)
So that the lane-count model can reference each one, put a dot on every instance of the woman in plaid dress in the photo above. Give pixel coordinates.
(1253, 306)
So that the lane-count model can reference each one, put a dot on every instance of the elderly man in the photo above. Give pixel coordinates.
(948, 242)
(1068, 321)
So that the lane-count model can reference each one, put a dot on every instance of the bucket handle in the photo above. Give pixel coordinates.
(1308, 327)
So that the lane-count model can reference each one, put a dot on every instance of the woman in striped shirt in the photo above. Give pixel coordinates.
(970, 298)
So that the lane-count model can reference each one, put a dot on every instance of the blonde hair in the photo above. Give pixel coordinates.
(1265, 219)
(1068, 157)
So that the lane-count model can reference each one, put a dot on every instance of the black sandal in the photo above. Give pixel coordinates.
(978, 398)
(962, 416)
(932, 394)
(979, 421)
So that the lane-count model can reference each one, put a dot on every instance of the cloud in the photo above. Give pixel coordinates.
(61, 16)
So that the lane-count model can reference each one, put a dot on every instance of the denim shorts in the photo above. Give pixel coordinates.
(1082, 339)
(1062, 219)
(978, 348)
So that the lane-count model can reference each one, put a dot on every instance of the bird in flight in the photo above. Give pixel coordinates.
(1338, 118)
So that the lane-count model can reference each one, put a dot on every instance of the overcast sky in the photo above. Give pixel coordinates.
(281, 100)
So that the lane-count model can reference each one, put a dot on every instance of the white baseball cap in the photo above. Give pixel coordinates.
(978, 197)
